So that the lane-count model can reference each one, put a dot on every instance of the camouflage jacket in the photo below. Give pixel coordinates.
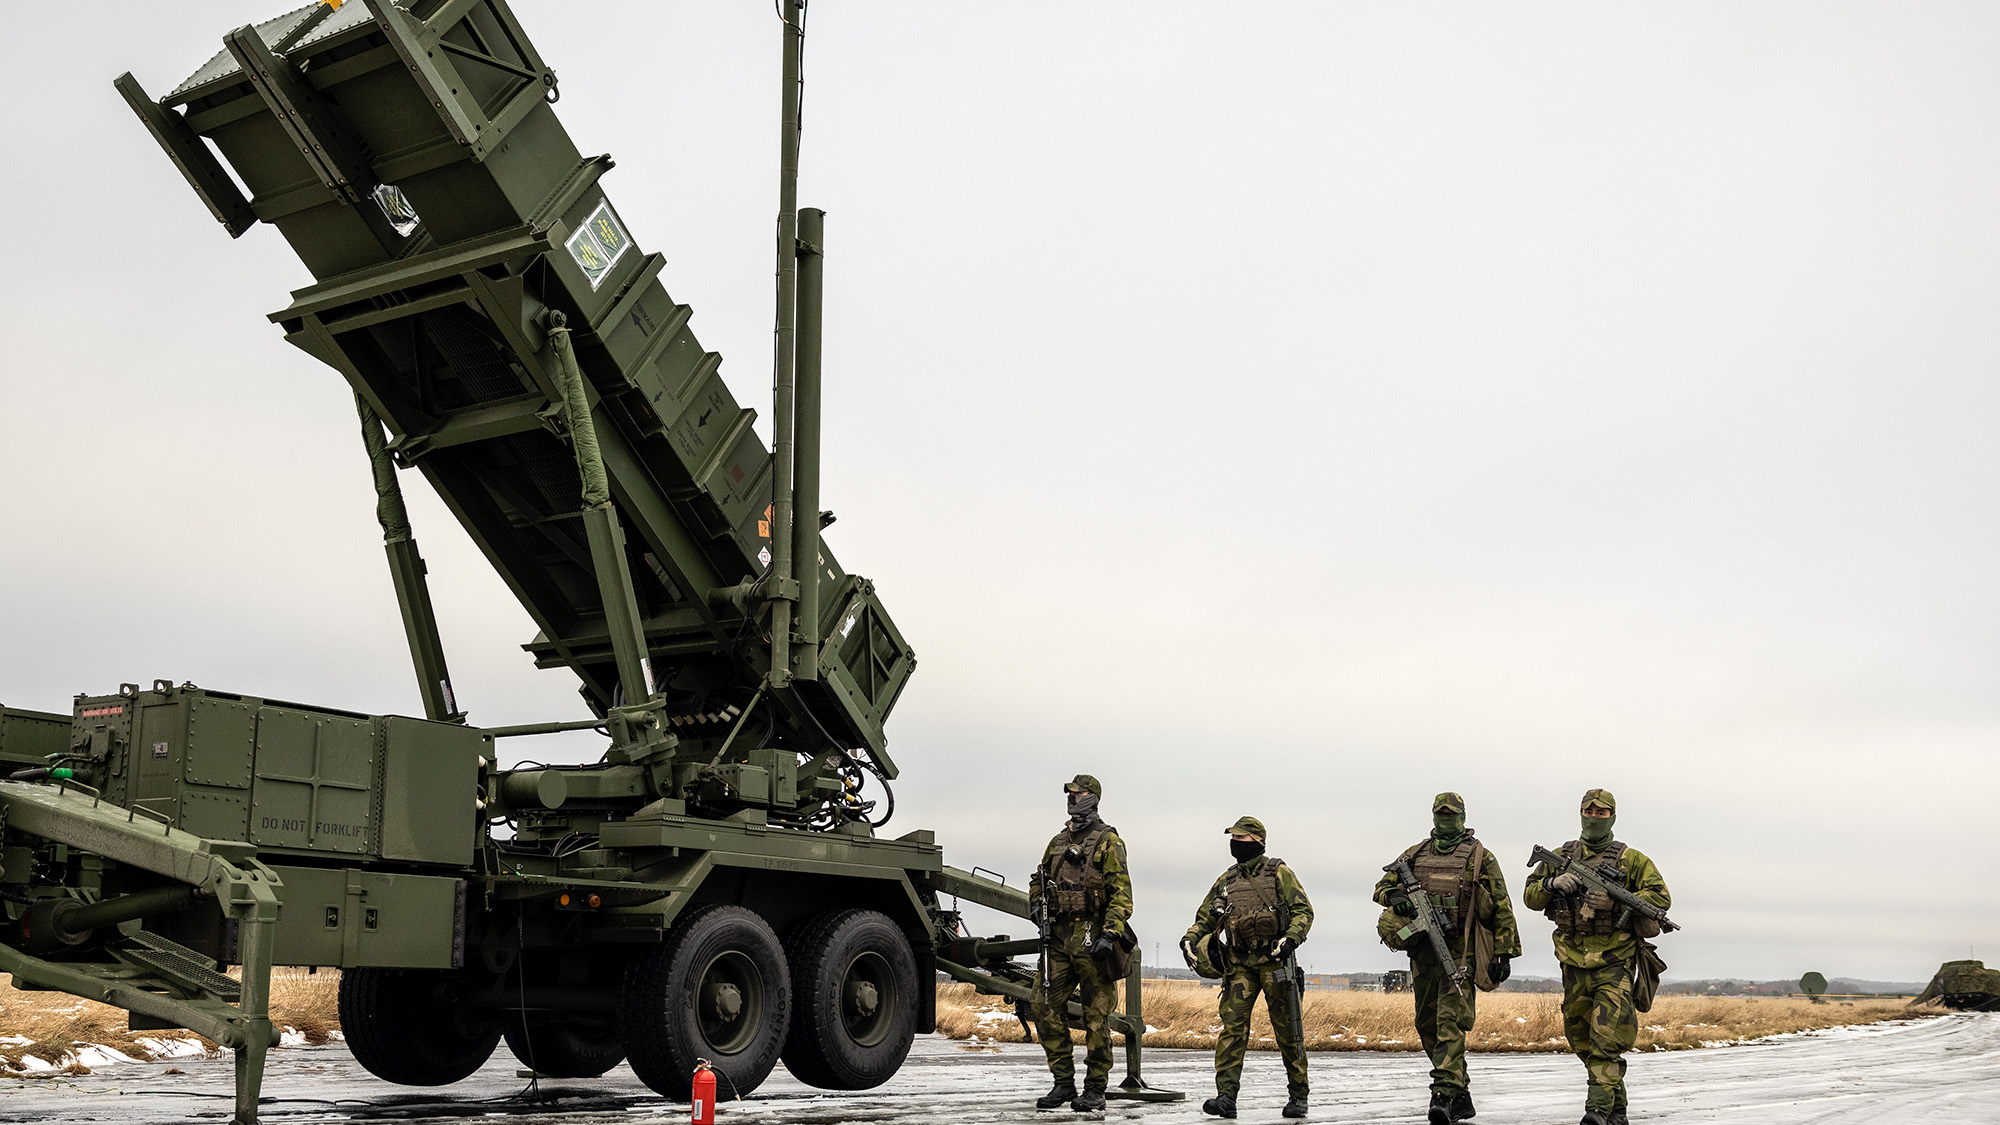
(1293, 896)
(1506, 932)
(1110, 859)
(1591, 951)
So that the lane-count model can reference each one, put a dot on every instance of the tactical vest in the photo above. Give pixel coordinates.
(1444, 876)
(1076, 884)
(1255, 916)
(1567, 911)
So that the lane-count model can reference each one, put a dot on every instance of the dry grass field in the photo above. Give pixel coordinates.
(1182, 1014)
(59, 1031)
(46, 1034)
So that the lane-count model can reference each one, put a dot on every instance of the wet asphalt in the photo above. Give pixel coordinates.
(1941, 1070)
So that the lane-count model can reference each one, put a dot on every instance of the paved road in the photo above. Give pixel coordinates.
(1942, 1070)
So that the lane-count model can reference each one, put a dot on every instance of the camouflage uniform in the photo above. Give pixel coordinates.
(1597, 963)
(1444, 1019)
(1071, 966)
(1251, 969)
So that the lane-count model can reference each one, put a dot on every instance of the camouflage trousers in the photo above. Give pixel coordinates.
(1601, 1024)
(1443, 1020)
(1071, 970)
(1240, 987)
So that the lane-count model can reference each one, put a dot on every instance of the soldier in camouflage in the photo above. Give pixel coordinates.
(1598, 955)
(1262, 915)
(1086, 889)
(1465, 881)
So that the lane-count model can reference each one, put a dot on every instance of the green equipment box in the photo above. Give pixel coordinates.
(288, 778)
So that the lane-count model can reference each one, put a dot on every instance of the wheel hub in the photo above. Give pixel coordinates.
(863, 998)
(723, 1001)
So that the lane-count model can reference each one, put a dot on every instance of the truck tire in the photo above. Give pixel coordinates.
(403, 1027)
(718, 989)
(854, 1000)
(564, 1046)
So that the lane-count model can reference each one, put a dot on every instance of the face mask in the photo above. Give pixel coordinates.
(1082, 806)
(1448, 829)
(1246, 850)
(1597, 830)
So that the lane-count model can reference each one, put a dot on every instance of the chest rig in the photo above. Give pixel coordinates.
(1254, 915)
(1569, 913)
(1076, 883)
(1444, 876)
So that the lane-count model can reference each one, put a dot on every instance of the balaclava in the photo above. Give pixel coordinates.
(1448, 822)
(1082, 809)
(1245, 850)
(1597, 829)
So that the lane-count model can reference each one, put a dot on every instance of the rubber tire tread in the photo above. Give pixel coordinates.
(391, 1041)
(553, 1046)
(831, 1061)
(662, 1058)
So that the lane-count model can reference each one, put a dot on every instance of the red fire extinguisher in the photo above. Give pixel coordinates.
(704, 1093)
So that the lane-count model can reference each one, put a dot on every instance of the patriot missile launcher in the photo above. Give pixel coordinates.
(716, 885)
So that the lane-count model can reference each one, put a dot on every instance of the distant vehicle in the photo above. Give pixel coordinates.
(1396, 980)
(1967, 986)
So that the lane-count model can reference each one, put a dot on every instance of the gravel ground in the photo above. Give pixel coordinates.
(1939, 1070)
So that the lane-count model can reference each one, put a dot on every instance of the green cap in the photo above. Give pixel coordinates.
(1448, 802)
(1600, 799)
(1246, 826)
(1084, 783)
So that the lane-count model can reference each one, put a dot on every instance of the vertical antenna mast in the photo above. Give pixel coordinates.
(784, 591)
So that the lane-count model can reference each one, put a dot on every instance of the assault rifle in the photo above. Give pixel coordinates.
(1293, 984)
(1429, 919)
(1594, 879)
(1045, 930)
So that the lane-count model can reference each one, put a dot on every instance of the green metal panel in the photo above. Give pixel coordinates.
(221, 740)
(350, 918)
(315, 782)
(29, 737)
(430, 775)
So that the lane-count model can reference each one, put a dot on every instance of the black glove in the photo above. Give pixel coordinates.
(1187, 952)
(1501, 968)
(1283, 949)
(1401, 904)
(1104, 948)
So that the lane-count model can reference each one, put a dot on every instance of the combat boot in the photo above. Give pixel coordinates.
(1440, 1111)
(1295, 1108)
(1091, 1100)
(1592, 1117)
(1617, 1117)
(1461, 1107)
(1221, 1105)
(1063, 1093)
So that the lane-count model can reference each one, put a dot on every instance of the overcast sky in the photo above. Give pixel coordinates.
(1279, 409)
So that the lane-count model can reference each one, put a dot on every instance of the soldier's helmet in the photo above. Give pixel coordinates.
(1208, 958)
